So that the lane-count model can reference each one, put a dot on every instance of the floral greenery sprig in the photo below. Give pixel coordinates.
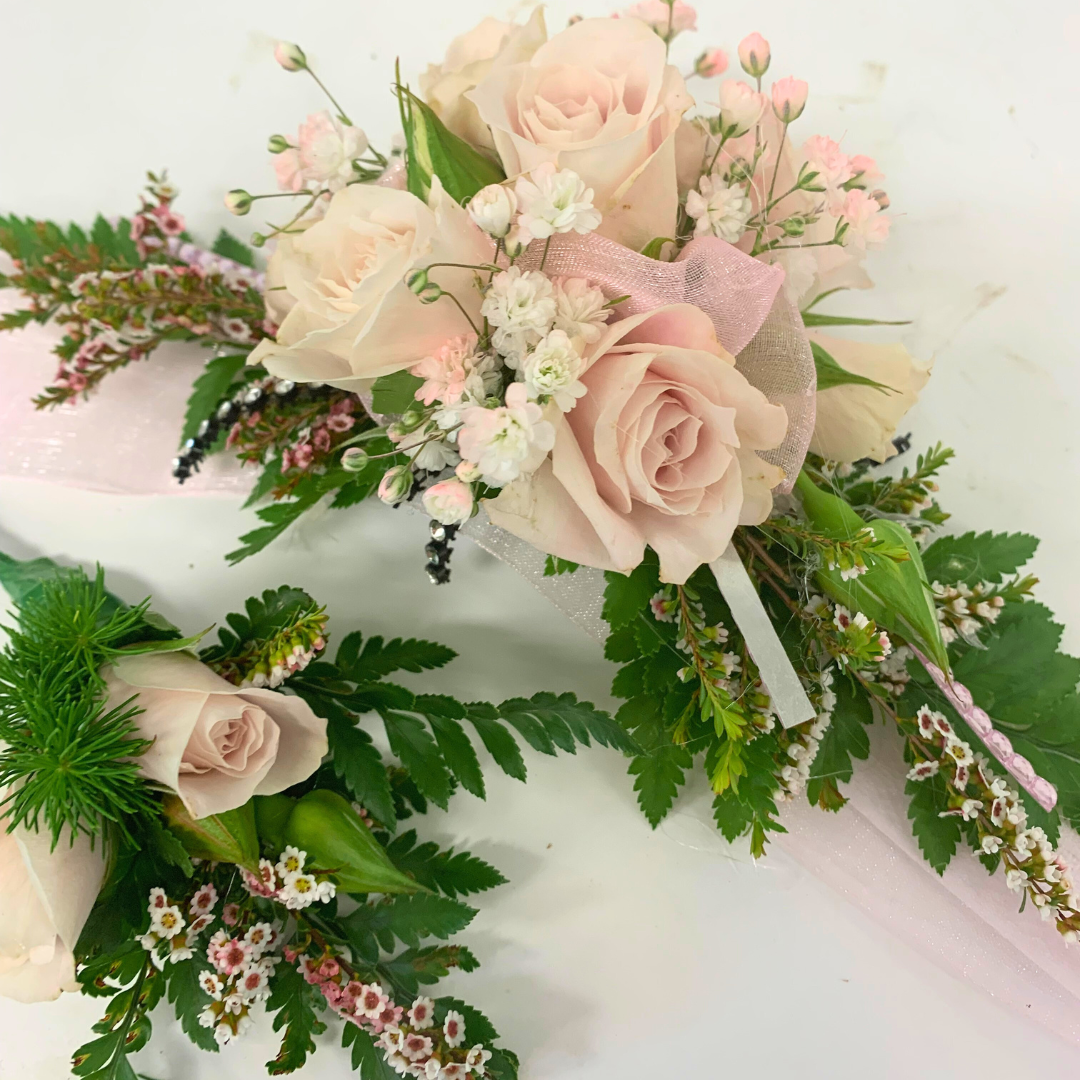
(67, 762)
(121, 290)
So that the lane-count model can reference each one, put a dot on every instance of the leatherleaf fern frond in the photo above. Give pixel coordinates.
(66, 759)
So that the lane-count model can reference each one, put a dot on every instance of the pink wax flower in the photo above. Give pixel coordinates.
(290, 175)
(789, 98)
(340, 422)
(168, 221)
(711, 63)
(865, 168)
(754, 55)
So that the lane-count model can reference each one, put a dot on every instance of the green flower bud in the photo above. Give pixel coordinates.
(238, 202)
(290, 57)
(277, 144)
(354, 459)
(257, 239)
(339, 843)
(228, 837)
(417, 281)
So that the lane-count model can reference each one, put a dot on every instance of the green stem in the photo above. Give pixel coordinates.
(545, 255)
(109, 1072)
(776, 171)
(333, 101)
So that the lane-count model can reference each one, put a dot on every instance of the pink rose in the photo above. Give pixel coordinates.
(338, 288)
(215, 745)
(600, 99)
(659, 452)
(468, 60)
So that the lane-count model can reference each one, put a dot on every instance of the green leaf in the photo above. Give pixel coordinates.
(269, 477)
(655, 246)
(733, 818)
(457, 752)
(660, 770)
(411, 918)
(394, 394)
(432, 150)
(226, 837)
(22, 579)
(972, 558)
(189, 999)
(358, 762)
(453, 874)
(410, 741)
(894, 594)
(554, 566)
(564, 719)
(500, 744)
(294, 1003)
(208, 390)
(845, 738)
(811, 319)
(830, 373)
(937, 836)
(367, 1058)
(228, 247)
(379, 658)
(626, 595)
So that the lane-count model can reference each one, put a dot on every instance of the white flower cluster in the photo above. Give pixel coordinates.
(804, 746)
(963, 611)
(487, 401)
(240, 979)
(1031, 863)
(287, 882)
(411, 1052)
(893, 673)
(171, 936)
(541, 203)
(289, 664)
(718, 208)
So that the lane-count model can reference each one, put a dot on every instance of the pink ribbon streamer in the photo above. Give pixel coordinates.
(959, 697)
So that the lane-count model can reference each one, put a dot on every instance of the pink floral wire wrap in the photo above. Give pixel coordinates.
(123, 439)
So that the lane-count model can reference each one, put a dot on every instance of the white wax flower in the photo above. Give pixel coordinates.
(555, 201)
(521, 306)
(552, 370)
(493, 209)
(718, 209)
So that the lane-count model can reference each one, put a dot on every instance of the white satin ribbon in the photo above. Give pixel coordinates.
(789, 698)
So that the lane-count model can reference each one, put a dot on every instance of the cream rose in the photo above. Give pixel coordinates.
(214, 744)
(855, 422)
(600, 99)
(347, 315)
(658, 452)
(45, 898)
(468, 60)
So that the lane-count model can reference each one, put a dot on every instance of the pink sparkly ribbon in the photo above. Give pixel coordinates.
(959, 697)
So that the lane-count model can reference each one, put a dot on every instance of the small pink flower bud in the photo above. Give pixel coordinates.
(395, 484)
(238, 202)
(290, 57)
(754, 55)
(450, 502)
(789, 98)
(467, 472)
(711, 63)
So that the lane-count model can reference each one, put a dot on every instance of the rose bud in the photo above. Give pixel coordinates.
(395, 484)
(492, 208)
(711, 63)
(467, 472)
(290, 57)
(354, 459)
(238, 202)
(741, 107)
(450, 502)
(336, 839)
(277, 144)
(517, 240)
(789, 98)
(754, 55)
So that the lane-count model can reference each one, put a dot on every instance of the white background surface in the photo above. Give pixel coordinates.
(614, 952)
